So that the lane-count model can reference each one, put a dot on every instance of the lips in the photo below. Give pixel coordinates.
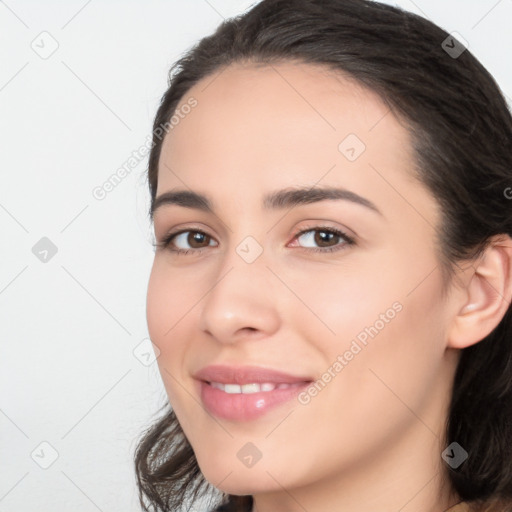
(245, 393)
(247, 375)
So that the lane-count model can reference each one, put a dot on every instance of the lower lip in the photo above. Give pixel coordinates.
(245, 406)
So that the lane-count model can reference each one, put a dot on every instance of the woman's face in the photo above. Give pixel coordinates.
(364, 320)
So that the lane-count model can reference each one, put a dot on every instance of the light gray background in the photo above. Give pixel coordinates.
(75, 370)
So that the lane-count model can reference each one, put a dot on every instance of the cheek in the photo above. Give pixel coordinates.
(384, 318)
(396, 346)
(167, 305)
(334, 303)
(157, 305)
(168, 299)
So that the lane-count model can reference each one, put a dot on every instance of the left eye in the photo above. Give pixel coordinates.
(321, 236)
(196, 240)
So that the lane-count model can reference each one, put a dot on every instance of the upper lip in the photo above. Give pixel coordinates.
(246, 375)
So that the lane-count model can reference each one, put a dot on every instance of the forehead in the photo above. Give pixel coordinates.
(261, 127)
(248, 100)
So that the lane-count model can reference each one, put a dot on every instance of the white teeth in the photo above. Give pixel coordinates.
(248, 388)
(232, 388)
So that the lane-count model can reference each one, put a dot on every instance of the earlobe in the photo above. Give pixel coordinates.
(487, 295)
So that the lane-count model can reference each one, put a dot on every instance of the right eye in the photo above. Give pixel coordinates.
(192, 237)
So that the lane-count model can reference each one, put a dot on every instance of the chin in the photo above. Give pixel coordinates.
(241, 481)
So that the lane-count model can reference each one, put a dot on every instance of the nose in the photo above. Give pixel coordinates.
(242, 302)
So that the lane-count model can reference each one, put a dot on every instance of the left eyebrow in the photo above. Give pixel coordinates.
(276, 200)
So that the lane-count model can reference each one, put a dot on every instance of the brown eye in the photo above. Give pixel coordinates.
(326, 239)
(193, 240)
(196, 239)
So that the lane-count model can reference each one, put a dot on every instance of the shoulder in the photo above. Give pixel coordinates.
(496, 506)
(222, 508)
(235, 504)
(488, 506)
(460, 507)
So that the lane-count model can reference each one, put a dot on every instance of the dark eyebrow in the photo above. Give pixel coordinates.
(277, 200)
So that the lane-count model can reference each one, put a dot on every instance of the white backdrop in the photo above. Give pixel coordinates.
(80, 82)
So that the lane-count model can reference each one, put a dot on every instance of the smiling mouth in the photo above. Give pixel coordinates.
(246, 393)
(249, 401)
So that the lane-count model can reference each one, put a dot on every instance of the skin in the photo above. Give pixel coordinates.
(372, 438)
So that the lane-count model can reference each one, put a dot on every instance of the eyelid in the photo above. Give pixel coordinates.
(178, 230)
(319, 225)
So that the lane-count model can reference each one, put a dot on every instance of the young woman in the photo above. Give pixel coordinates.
(331, 192)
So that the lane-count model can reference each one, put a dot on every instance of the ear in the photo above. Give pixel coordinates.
(486, 295)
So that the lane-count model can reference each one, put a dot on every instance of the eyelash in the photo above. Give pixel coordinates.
(166, 242)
